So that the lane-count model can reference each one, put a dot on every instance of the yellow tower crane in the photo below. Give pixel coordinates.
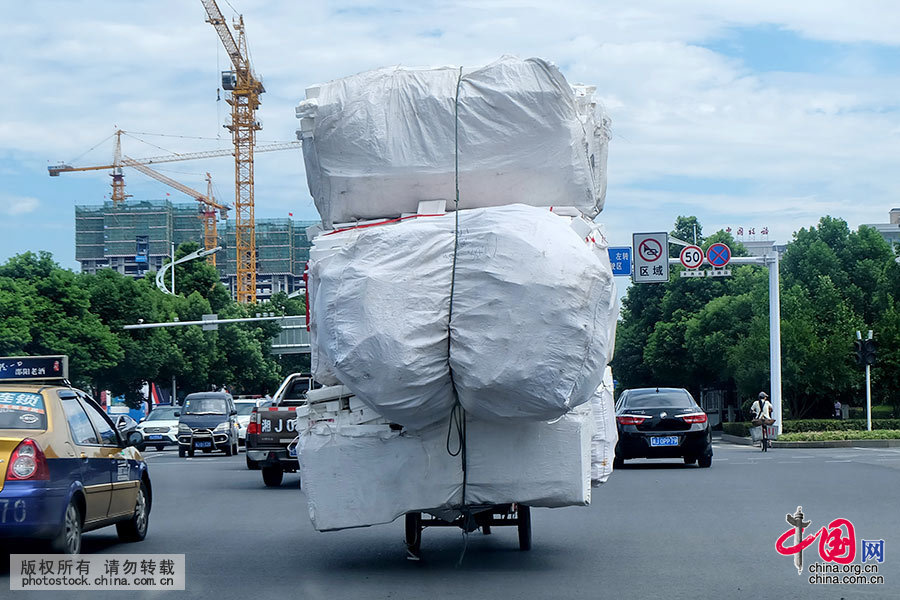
(245, 90)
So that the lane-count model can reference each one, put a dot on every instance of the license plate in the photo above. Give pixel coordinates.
(154, 437)
(667, 440)
(203, 444)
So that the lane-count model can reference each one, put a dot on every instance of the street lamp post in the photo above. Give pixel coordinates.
(161, 284)
(161, 275)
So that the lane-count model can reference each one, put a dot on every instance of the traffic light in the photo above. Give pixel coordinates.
(869, 349)
(859, 351)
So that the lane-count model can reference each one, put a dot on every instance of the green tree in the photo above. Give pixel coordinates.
(56, 313)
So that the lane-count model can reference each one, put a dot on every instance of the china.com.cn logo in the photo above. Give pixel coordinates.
(837, 542)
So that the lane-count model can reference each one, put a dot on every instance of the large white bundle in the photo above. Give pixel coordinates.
(357, 476)
(533, 310)
(606, 434)
(377, 143)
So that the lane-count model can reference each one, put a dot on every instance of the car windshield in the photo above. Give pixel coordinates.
(245, 409)
(661, 399)
(22, 410)
(161, 414)
(204, 406)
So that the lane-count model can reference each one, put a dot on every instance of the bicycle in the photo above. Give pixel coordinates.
(764, 425)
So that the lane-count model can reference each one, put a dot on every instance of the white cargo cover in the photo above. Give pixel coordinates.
(357, 476)
(377, 143)
(533, 310)
(605, 434)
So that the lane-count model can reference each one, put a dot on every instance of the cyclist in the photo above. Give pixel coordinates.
(762, 416)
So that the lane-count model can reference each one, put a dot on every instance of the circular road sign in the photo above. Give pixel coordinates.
(718, 255)
(650, 250)
(691, 256)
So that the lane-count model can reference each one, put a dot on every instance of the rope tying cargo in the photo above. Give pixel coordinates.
(457, 413)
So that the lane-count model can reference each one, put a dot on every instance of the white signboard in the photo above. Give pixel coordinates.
(651, 257)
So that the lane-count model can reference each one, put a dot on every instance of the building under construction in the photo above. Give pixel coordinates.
(136, 237)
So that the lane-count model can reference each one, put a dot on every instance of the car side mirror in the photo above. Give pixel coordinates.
(177, 414)
(125, 424)
(134, 439)
(233, 412)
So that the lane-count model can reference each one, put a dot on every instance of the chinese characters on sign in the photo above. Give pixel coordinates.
(34, 367)
(620, 260)
(751, 233)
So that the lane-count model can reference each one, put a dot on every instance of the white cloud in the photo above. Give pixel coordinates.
(804, 143)
(13, 206)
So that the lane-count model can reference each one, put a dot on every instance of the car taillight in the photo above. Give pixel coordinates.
(631, 419)
(695, 418)
(253, 428)
(27, 462)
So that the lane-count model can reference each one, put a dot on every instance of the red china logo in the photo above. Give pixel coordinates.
(837, 550)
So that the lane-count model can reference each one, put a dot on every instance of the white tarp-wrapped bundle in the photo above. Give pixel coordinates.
(534, 306)
(358, 476)
(377, 143)
(605, 435)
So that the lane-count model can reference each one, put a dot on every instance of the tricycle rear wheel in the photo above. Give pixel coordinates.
(413, 535)
(524, 523)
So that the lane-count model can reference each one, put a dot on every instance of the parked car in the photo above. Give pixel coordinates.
(160, 428)
(207, 422)
(65, 466)
(244, 408)
(662, 423)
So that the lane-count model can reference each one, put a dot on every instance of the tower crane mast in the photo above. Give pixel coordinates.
(245, 90)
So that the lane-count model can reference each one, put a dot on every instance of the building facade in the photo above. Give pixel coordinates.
(136, 237)
(890, 231)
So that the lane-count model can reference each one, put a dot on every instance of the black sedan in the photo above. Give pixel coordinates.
(662, 423)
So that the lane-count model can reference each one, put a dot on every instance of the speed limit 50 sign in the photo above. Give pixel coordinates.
(691, 256)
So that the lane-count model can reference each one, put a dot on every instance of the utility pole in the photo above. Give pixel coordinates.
(865, 355)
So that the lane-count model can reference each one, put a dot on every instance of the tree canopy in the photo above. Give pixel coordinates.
(45, 309)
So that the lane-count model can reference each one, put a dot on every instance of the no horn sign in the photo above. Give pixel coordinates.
(651, 257)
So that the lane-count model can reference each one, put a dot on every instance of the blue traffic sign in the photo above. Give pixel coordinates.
(620, 259)
(718, 255)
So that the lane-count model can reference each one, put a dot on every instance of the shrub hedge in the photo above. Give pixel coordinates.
(883, 411)
(828, 436)
(816, 425)
(738, 429)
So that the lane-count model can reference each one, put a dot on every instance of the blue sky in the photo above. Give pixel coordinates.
(746, 114)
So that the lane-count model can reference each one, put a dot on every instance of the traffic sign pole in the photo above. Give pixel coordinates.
(771, 261)
(868, 399)
(775, 337)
